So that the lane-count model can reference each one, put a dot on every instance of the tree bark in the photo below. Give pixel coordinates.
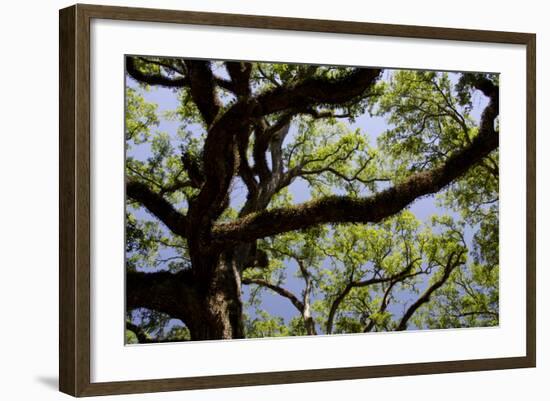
(211, 309)
(218, 313)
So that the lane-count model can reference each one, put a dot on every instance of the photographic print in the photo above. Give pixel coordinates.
(268, 199)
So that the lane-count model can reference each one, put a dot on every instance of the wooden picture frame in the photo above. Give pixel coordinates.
(74, 204)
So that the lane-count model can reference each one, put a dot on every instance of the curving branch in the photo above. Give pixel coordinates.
(383, 305)
(239, 72)
(245, 170)
(454, 260)
(364, 283)
(153, 79)
(317, 91)
(278, 289)
(202, 86)
(264, 136)
(303, 305)
(307, 316)
(158, 206)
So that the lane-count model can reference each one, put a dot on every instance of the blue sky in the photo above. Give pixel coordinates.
(424, 208)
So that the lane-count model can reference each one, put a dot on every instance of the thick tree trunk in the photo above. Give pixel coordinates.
(218, 313)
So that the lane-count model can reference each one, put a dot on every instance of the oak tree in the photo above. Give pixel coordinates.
(210, 210)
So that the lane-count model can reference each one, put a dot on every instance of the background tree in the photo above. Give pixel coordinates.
(366, 263)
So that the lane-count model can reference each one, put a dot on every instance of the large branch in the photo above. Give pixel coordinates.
(203, 85)
(245, 171)
(161, 291)
(342, 209)
(264, 134)
(163, 80)
(240, 77)
(158, 206)
(316, 90)
(220, 165)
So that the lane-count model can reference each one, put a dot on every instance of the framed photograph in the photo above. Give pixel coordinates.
(249, 200)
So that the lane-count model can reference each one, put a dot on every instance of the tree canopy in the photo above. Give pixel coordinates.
(264, 180)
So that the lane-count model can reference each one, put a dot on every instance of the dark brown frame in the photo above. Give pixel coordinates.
(74, 203)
